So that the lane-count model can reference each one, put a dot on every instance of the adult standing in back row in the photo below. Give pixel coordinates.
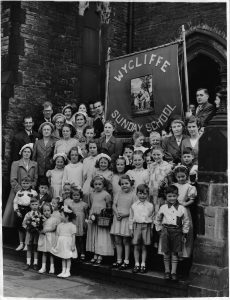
(99, 119)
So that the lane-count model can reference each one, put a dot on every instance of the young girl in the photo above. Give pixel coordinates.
(73, 172)
(158, 172)
(47, 237)
(55, 175)
(139, 174)
(186, 197)
(56, 205)
(66, 194)
(98, 238)
(119, 170)
(148, 158)
(120, 227)
(79, 209)
(65, 241)
(89, 167)
(22, 207)
(102, 167)
(138, 139)
(31, 223)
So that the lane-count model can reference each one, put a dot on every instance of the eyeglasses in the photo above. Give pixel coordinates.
(59, 122)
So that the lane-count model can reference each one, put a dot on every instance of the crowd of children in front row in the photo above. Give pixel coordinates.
(149, 197)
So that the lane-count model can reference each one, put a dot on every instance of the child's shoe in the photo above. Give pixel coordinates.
(82, 257)
(35, 267)
(66, 274)
(51, 271)
(20, 247)
(136, 269)
(174, 277)
(25, 248)
(117, 264)
(124, 266)
(61, 274)
(167, 276)
(143, 269)
(27, 267)
(42, 270)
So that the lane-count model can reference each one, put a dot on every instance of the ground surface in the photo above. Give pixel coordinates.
(20, 283)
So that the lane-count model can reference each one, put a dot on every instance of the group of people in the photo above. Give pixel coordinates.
(75, 189)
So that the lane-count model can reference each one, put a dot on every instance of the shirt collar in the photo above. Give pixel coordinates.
(141, 202)
(176, 205)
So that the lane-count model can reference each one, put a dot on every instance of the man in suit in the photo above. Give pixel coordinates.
(26, 136)
(99, 119)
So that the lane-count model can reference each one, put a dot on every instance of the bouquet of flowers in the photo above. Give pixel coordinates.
(34, 222)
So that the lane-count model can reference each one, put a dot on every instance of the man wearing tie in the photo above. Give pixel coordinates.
(99, 119)
(26, 136)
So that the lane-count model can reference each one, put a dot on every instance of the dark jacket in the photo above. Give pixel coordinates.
(19, 140)
(113, 147)
(172, 152)
(205, 114)
(43, 155)
(98, 127)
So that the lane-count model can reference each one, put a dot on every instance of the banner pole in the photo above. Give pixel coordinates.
(107, 79)
(185, 68)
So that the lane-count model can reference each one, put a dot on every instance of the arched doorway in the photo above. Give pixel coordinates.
(207, 60)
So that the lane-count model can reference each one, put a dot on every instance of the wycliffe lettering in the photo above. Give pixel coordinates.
(147, 59)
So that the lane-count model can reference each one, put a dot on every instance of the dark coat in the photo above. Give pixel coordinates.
(44, 155)
(113, 147)
(19, 140)
(205, 114)
(172, 152)
(98, 127)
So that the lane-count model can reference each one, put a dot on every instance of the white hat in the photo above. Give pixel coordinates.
(60, 154)
(99, 156)
(46, 123)
(30, 145)
(80, 113)
(67, 106)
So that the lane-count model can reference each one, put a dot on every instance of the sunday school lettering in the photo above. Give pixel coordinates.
(138, 61)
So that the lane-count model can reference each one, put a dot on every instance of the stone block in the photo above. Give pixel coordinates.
(211, 252)
(200, 220)
(218, 194)
(221, 223)
(203, 191)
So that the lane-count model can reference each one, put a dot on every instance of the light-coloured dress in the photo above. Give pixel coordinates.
(46, 240)
(64, 146)
(88, 171)
(56, 214)
(187, 192)
(141, 176)
(115, 184)
(98, 238)
(79, 209)
(123, 202)
(56, 176)
(65, 233)
(73, 173)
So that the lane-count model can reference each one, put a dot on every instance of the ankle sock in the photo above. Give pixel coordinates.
(28, 261)
(36, 261)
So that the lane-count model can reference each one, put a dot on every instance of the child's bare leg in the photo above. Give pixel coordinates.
(44, 258)
(64, 265)
(126, 242)
(35, 256)
(167, 262)
(51, 271)
(174, 263)
(28, 257)
(143, 255)
(21, 236)
(68, 266)
(118, 242)
(137, 255)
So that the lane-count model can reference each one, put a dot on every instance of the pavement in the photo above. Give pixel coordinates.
(31, 284)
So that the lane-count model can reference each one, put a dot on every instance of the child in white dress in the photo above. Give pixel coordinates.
(73, 172)
(138, 138)
(119, 170)
(98, 239)
(120, 227)
(55, 175)
(65, 242)
(102, 167)
(56, 204)
(139, 174)
(47, 237)
(80, 210)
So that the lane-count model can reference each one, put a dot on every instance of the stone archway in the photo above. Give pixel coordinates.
(207, 61)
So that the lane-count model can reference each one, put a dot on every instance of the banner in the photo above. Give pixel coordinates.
(144, 90)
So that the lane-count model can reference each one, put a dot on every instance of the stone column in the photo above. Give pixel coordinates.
(209, 273)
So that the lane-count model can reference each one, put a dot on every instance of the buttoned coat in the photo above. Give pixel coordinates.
(172, 152)
(43, 155)
(19, 140)
(113, 146)
(205, 114)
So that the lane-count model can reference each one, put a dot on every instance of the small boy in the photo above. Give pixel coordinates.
(128, 152)
(140, 225)
(32, 224)
(88, 133)
(172, 222)
(187, 159)
(21, 206)
(43, 195)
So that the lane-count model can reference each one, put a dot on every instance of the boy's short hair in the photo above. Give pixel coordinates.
(142, 187)
(86, 128)
(129, 146)
(33, 200)
(188, 150)
(43, 181)
(171, 189)
(26, 179)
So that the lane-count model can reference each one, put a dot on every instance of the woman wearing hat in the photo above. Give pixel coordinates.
(58, 120)
(21, 168)
(172, 144)
(67, 141)
(80, 123)
(67, 111)
(44, 148)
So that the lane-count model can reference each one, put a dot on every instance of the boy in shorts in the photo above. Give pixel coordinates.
(140, 224)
